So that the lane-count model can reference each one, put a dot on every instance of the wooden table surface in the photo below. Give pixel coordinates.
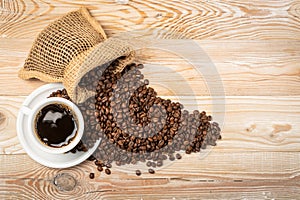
(255, 47)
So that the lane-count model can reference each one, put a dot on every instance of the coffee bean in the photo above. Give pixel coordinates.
(100, 169)
(140, 66)
(178, 156)
(171, 157)
(161, 127)
(98, 162)
(108, 165)
(138, 172)
(151, 171)
(107, 171)
(91, 158)
(148, 164)
(92, 175)
(159, 163)
(74, 150)
(153, 164)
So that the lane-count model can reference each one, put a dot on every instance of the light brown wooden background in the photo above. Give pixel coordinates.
(255, 46)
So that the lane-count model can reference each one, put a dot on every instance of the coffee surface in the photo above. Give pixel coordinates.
(55, 125)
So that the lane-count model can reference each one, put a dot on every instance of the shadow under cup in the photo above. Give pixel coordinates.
(56, 125)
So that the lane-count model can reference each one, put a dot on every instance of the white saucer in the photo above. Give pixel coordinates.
(50, 160)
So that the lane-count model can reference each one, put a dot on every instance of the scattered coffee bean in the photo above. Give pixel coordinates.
(151, 171)
(100, 169)
(92, 175)
(98, 162)
(138, 172)
(148, 164)
(159, 127)
(171, 157)
(107, 171)
(159, 163)
(91, 158)
(108, 165)
(153, 164)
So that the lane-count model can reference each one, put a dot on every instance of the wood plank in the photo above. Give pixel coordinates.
(233, 19)
(238, 67)
(255, 48)
(232, 175)
(248, 123)
(9, 142)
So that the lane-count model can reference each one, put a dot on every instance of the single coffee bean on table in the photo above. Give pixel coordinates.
(134, 124)
(138, 172)
(92, 175)
(107, 171)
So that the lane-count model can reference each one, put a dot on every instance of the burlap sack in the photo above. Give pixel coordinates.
(102, 54)
(70, 47)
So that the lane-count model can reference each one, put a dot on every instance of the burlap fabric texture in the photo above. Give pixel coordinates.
(69, 48)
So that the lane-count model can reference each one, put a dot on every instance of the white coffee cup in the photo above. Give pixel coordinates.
(32, 114)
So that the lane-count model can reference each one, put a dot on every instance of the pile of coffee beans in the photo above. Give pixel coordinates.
(134, 124)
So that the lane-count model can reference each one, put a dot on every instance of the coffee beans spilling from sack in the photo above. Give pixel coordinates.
(134, 124)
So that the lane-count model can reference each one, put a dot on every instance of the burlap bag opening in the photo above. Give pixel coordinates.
(103, 54)
(69, 48)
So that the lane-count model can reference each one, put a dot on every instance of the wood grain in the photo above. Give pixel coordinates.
(233, 19)
(219, 175)
(238, 67)
(254, 47)
(9, 107)
(248, 123)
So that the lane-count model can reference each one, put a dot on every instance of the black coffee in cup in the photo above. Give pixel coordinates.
(56, 125)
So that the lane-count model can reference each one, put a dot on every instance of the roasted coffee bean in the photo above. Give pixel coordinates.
(100, 169)
(178, 156)
(107, 171)
(151, 171)
(148, 164)
(159, 163)
(160, 127)
(164, 157)
(153, 164)
(74, 150)
(98, 162)
(171, 157)
(108, 165)
(92, 175)
(138, 172)
(91, 158)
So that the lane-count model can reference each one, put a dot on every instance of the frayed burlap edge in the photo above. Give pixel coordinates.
(28, 74)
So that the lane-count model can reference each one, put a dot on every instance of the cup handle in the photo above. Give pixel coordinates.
(26, 110)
